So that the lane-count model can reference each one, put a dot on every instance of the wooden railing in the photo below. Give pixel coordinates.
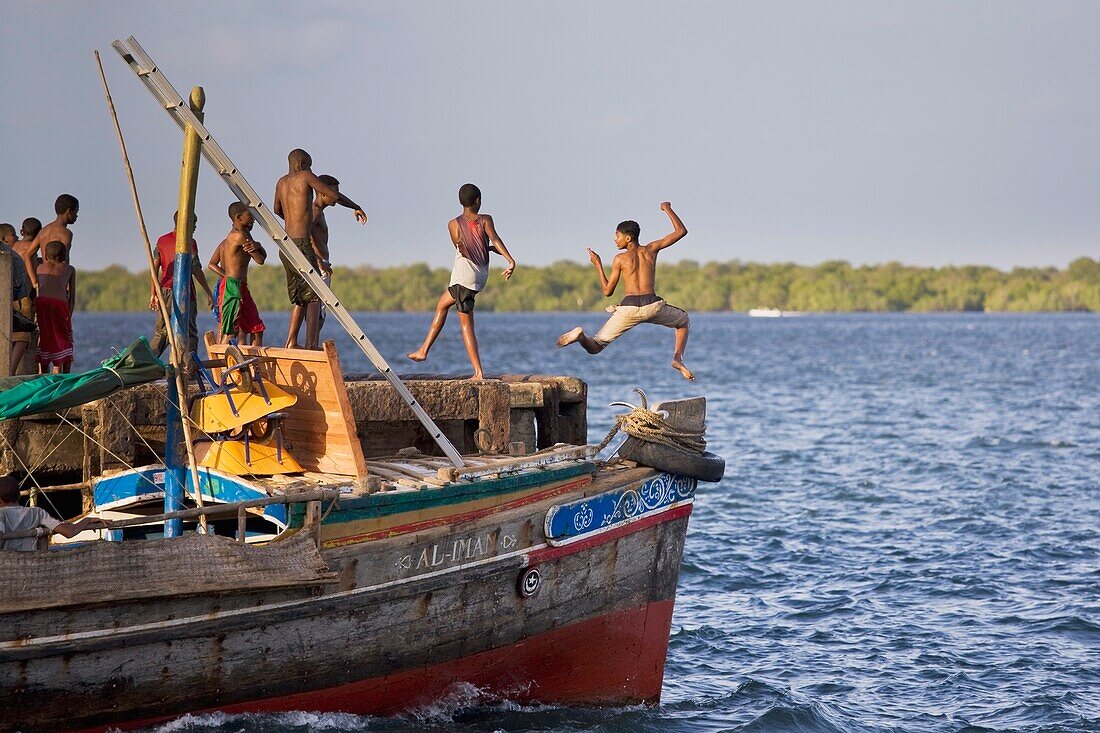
(240, 508)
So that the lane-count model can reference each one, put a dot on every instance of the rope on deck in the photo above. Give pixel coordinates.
(649, 426)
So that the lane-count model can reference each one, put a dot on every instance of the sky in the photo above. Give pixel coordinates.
(930, 133)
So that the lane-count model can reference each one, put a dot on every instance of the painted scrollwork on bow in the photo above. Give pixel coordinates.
(583, 517)
(614, 507)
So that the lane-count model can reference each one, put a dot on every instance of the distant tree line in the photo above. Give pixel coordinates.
(713, 286)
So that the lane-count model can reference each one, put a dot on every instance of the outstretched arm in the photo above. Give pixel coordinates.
(72, 529)
(608, 284)
(496, 244)
(329, 192)
(678, 230)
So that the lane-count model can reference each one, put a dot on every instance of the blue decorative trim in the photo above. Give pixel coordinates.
(603, 511)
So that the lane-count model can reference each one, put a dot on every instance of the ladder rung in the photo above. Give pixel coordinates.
(143, 72)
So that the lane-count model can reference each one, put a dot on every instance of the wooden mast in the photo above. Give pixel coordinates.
(177, 444)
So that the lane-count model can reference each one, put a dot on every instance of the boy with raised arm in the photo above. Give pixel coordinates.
(474, 236)
(237, 309)
(294, 203)
(319, 236)
(55, 304)
(636, 264)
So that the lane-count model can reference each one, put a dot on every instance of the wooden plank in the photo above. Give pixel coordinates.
(345, 407)
(320, 426)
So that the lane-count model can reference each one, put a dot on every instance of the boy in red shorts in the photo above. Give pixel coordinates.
(238, 310)
(55, 304)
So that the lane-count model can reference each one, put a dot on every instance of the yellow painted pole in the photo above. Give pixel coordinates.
(189, 176)
(175, 481)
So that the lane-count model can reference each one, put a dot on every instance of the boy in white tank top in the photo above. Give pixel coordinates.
(474, 236)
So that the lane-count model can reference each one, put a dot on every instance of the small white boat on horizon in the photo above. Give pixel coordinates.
(771, 313)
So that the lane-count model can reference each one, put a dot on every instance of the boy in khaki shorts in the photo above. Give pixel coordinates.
(636, 265)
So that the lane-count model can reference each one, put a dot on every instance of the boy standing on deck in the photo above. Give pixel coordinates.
(637, 265)
(318, 235)
(294, 203)
(164, 258)
(237, 309)
(67, 208)
(55, 305)
(474, 236)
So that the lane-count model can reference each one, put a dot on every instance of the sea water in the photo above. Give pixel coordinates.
(907, 537)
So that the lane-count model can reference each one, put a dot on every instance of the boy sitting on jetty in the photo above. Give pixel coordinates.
(474, 236)
(237, 309)
(55, 305)
(637, 265)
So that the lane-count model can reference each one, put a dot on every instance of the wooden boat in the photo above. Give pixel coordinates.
(410, 576)
(351, 585)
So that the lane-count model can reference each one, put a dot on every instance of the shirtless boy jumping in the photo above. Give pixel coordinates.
(237, 309)
(636, 264)
(294, 203)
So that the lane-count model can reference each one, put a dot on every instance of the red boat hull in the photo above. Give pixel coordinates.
(556, 666)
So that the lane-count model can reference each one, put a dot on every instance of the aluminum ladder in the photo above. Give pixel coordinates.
(178, 109)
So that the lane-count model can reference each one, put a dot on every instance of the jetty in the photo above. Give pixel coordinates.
(512, 414)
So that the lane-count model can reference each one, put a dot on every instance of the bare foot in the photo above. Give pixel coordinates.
(570, 337)
(478, 377)
(417, 356)
(684, 371)
(292, 345)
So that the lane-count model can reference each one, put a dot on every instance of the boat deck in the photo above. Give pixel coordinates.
(418, 472)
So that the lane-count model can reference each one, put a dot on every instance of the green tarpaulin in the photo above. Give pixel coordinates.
(53, 392)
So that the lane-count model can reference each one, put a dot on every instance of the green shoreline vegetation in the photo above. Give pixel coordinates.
(713, 286)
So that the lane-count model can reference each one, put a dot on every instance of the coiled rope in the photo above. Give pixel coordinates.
(649, 426)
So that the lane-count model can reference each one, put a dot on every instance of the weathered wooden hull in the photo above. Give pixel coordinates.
(413, 614)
